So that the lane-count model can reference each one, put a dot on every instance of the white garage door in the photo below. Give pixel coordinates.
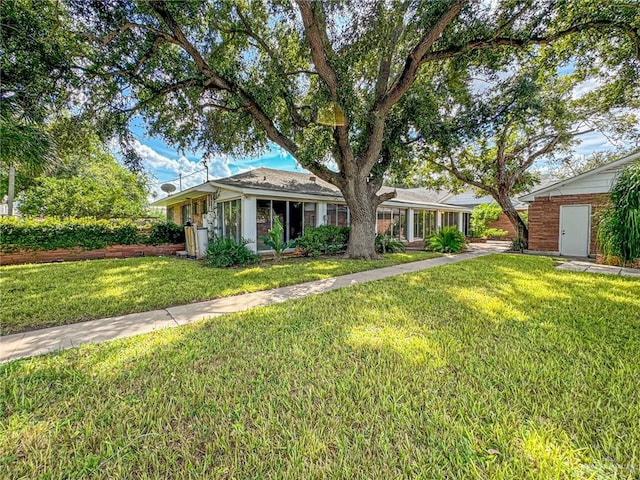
(574, 230)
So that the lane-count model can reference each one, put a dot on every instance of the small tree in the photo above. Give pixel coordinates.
(481, 216)
(619, 228)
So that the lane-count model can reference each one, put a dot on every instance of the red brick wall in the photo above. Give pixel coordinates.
(503, 223)
(71, 254)
(544, 219)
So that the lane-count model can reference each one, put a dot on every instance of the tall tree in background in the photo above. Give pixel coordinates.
(87, 182)
(36, 55)
(322, 80)
(533, 116)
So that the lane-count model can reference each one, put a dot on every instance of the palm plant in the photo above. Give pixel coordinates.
(275, 239)
(619, 227)
(446, 240)
(25, 147)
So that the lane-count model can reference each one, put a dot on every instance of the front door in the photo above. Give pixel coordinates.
(574, 230)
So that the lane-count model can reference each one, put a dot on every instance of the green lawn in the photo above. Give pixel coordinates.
(44, 295)
(499, 367)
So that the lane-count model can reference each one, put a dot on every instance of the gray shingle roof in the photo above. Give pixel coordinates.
(280, 180)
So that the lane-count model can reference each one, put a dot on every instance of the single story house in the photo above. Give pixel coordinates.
(563, 216)
(244, 206)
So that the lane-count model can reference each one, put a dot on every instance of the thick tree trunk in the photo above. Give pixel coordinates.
(362, 207)
(514, 217)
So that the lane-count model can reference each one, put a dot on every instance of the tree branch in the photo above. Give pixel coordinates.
(415, 58)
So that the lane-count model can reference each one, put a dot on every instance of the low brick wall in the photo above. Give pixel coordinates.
(72, 254)
(544, 219)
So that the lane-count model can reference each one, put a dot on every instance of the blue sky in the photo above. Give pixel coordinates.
(165, 162)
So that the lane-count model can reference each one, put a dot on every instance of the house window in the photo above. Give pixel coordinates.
(466, 224)
(228, 217)
(170, 214)
(295, 217)
(195, 208)
(424, 223)
(185, 212)
(449, 219)
(392, 222)
(204, 207)
(338, 215)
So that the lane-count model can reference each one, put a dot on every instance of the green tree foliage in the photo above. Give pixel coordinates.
(88, 183)
(37, 49)
(619, 228)
(331, 83)
(481, 216)
(533, 116)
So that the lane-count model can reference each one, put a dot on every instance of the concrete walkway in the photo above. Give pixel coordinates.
(590, 267)
(52, 339)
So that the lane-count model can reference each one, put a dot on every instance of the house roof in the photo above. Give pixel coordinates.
(615, 165)
(279, 180)
(272, 182)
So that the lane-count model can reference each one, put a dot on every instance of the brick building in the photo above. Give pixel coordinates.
(563, 217)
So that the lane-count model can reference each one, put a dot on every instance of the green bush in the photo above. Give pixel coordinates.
(495, 232)
(387, 244)
(165, 232)
(87, 233)
(323, 240)
(619, 226)
(446, 240)
(519, 244)
(226, 252)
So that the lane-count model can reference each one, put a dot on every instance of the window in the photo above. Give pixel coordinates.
(195, 208)
(185, 212)
(295, 217)
(449, 219)
(466, 224)
(204, 207)
(418, 224)
(228, 216)
(170, 214)
(392, 222)
(338, 215)
(424, 223)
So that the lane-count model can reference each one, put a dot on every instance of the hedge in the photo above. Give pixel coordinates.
(87, 233)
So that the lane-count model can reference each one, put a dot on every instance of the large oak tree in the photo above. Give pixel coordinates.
(322, 80)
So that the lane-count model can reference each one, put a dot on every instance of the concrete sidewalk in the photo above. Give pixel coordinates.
(52, 339)
(590, 267)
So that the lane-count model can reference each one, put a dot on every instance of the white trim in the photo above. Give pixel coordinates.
(589, 207)
(530, 197)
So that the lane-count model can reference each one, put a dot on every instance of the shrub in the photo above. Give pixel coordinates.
(87, 233)
(165, 232)
(519, 244)
(275, 239)
(495, 232)
(446, 240)
(619, 226)
(226, 252)
(323, 240)
(387, 244)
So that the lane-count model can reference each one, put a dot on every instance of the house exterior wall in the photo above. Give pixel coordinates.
(196, 212)
(544, 219)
